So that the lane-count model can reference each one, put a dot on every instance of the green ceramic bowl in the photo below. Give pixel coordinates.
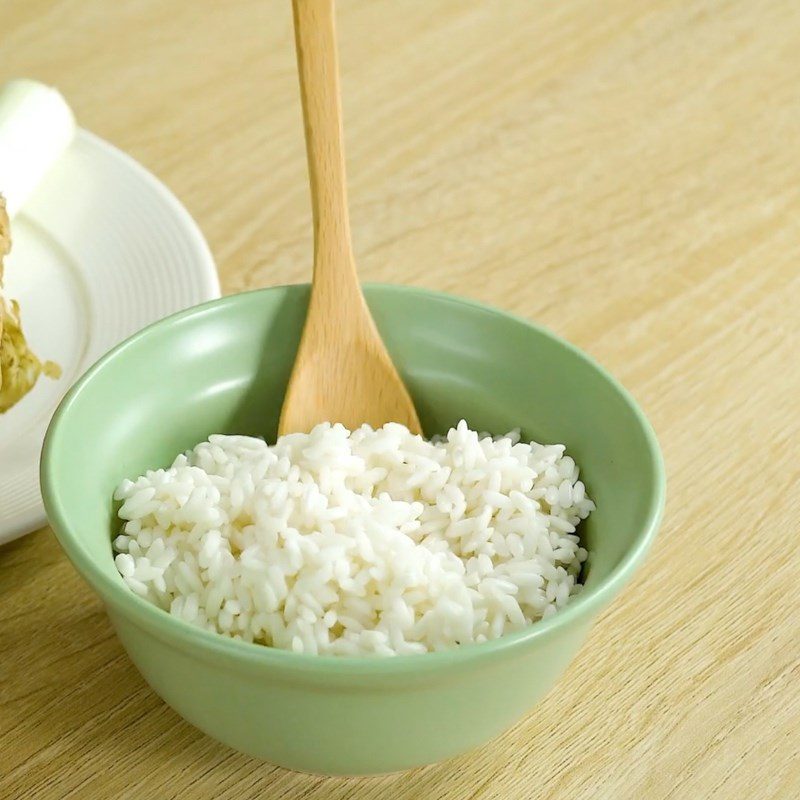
(223, 367)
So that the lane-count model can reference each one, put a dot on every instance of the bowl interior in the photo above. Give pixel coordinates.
(223, 368)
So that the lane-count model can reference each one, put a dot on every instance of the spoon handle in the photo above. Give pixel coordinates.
(318, 67)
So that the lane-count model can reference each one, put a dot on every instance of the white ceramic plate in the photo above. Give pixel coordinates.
(99, 251)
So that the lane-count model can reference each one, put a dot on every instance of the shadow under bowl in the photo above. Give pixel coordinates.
(222, 368)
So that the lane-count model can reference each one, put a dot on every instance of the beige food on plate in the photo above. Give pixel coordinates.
(20, 368)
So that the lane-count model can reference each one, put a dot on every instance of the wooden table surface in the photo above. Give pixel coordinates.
(626, 173)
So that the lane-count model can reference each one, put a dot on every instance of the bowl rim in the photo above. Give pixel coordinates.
(154, 619)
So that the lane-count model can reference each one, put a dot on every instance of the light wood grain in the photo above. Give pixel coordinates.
(626, 173)
(342, 372)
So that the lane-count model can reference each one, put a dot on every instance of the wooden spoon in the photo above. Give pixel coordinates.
(342, 372)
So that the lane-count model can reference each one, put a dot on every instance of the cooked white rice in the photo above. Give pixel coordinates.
(371, 542)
